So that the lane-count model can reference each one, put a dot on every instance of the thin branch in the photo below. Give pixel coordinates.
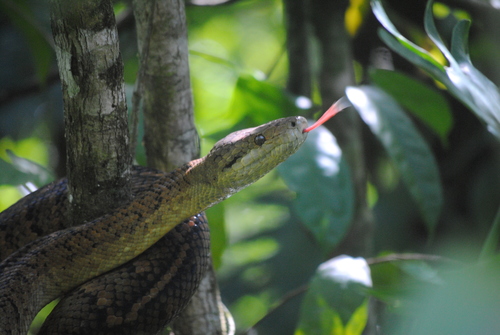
(407, 257)
(284, 299)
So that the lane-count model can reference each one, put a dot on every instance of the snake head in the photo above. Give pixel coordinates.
(243, 157)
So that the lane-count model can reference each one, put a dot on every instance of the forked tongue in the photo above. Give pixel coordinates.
(341, 104)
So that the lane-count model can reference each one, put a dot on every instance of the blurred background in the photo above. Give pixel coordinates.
(240, 73)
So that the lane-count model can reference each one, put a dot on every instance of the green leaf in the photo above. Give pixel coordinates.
(22, 171)
(404, 145)
(218, 235)
(435, 70)
(325, 195)
(471, 86)
(381, 15)
(394, 281)
(430, 29)
(336, 301)
(260, 100)
(461, 78)
(459, 46)
(424, 102)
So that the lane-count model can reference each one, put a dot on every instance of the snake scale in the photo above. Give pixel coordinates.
(111, 280)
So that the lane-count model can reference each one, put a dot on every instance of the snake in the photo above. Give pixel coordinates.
(132, 270)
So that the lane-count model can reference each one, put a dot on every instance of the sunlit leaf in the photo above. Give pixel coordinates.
(23, 171)
(381, 15)
(404, 145)
(424, 102)
(41, 316)
(430, 29)
(467, 83)
(325, 195)
(435, 71)
(8, 194)
(459, 46)
(31, 147)
(336, 301)
(461, 78)
(358, 320)
(260, 100)
(218, 235)
(249, 308)
(39, 173)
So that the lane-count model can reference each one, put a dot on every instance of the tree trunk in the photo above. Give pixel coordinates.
(170, 135)
(91, 71)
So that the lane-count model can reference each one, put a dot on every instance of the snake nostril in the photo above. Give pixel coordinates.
(293, 123)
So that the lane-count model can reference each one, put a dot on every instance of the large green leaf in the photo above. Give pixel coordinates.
(325, 195)
(260, 100)
(404, 145)
(468, 84)
(336, 301)
(395, 280)
(461, 78)
(414, 49)
(424, 102)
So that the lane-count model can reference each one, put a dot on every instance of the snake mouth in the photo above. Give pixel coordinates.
(300, 122)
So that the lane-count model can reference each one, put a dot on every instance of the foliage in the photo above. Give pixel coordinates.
(433, 168)
(325, 196)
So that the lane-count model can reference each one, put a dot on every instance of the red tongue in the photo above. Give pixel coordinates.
(341, 104)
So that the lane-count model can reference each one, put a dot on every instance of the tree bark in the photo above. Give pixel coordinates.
(170, 135)
(91, 71)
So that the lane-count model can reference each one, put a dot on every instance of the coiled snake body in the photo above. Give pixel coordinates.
(121, 292)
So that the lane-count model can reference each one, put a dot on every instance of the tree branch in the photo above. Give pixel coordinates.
(91, 71)
(170, 135)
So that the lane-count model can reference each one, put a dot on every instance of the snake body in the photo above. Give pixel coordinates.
(45, 268)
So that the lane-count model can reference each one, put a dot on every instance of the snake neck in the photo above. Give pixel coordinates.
(201, 189)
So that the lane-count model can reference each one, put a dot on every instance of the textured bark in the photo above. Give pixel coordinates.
(170, 135)
(91, 71)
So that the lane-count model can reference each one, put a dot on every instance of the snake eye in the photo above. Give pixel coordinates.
(259, 140)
